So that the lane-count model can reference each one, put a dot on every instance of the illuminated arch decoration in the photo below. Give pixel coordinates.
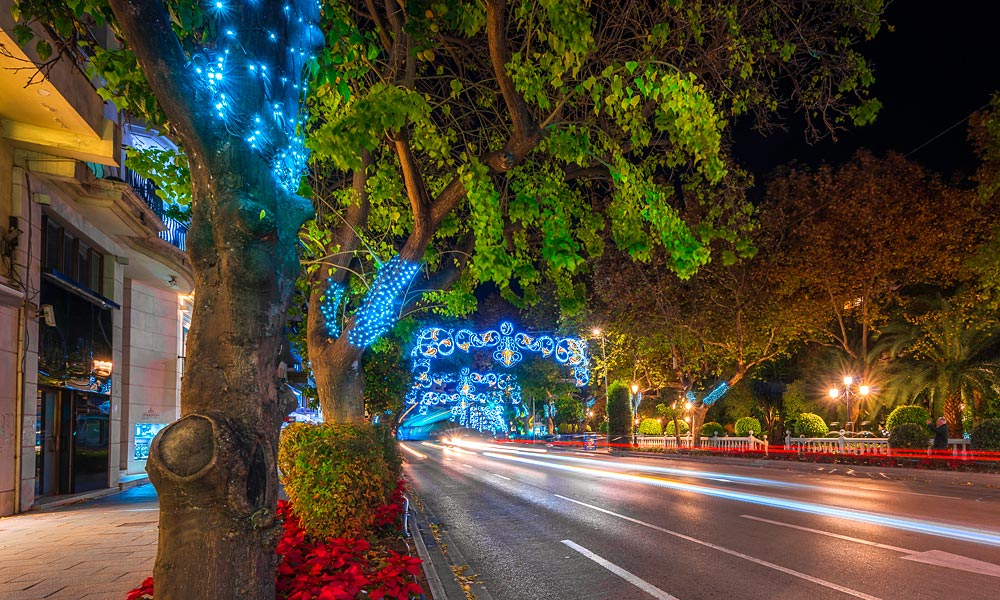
(479, 400)
(437, 342)
(235, 70)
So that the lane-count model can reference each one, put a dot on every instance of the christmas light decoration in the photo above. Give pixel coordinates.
(719, 391)
(381, 305)
(234, 72)
(437, 342)
(329, 306)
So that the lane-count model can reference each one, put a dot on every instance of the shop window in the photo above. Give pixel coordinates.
(66, 253)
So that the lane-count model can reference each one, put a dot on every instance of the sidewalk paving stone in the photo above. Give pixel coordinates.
(96, 550)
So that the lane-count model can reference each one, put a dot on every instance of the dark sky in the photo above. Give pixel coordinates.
(941, 63)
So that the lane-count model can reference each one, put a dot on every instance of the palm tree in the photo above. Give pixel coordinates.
(947, 361)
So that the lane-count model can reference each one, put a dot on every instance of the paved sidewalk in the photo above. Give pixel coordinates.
(97, 550)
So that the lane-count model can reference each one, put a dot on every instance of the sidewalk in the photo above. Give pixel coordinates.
(97, 550)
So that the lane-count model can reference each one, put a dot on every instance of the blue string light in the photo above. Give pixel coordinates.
(381, 305)
(234, 74)
(330, 305)
(719, 391)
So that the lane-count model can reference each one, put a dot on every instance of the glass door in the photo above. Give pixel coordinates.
(53, 443)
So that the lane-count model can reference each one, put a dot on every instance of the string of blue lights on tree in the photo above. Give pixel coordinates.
(719, 391)
(330, 305)
(380, 308)
(259, 102)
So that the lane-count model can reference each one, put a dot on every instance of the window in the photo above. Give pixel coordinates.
(66, 253)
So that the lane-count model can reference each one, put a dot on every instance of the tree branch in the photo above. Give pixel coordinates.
(524, 126)
(146, 25)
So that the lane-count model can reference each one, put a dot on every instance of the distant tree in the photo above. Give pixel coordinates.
(946, 360)
(619, 414)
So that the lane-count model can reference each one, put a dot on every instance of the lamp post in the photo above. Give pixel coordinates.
(863, 391)
(634, 404)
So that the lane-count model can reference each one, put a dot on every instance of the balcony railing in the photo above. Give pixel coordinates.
(176, 232)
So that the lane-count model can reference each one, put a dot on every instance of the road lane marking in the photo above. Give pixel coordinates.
(911, 493)
(502, 477)
(642, 584)
(468, 465)
(953, 532)
(831, 534)
(753, 559)
(930, 557)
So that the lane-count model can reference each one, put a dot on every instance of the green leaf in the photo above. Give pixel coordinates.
(631, 66)
(44, 50)
(263, 213)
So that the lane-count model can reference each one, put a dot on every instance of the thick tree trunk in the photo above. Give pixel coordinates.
(214, 469)
(698, 413)
(953, 413)
(340, 381)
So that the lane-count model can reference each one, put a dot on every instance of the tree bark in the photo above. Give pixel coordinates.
(698, 413)
(340, 381)
(214, 469)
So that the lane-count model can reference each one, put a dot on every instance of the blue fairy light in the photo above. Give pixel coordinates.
(230, 67)
(380, 308)
(330, 305)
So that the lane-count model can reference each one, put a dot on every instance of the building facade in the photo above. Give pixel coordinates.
(94, 289)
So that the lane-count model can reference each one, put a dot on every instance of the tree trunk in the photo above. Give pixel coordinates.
(340, 381)
(953, 412)
(214, 469)
(698, 413)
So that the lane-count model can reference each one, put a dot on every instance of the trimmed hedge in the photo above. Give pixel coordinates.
(619, 412)
(908, 413)
(669, 429)
(810, 425)
(337, 475)
(603, 427)
(650, 426)
(909, 435)
(712, 428)
(986, 435)
(745, 425)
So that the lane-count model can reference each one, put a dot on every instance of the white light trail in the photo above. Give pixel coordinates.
(904, 523)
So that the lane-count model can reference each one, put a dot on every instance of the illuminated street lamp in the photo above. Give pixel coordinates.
(835, 393)
(634, 401)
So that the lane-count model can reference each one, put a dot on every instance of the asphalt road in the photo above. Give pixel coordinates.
(569, 525)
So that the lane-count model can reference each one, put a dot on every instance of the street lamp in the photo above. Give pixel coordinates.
(634, 404)
(863, 391)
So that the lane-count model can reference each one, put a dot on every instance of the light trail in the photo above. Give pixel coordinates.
(684, 472)
(420, 455)
(493, 447)
(907, 524)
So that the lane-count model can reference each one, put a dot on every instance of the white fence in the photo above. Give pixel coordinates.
(669, 442)
(850, 445)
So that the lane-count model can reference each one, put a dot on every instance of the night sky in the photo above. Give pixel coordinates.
(940, 64)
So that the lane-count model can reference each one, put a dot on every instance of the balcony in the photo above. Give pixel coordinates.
(175, 232)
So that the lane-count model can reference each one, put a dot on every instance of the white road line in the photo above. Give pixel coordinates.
(910, 493)
(502, 477)
(831, 534)
(642, 584)
(770, 565)
(931, 557)
(468, 465)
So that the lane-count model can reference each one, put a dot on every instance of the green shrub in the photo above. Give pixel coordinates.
(650, 427)
(908, 413)
(603, 427)
(564, 428)
(669, 429)
(745, 425)
(810, 425)
(336, 475)
(712, 428)
(986, 435)
(909, 435)
(619, 412)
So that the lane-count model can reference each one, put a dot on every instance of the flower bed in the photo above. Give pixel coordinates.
(335, 568)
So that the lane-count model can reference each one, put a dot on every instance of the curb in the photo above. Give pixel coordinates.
(965, 478)
(443, 561)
